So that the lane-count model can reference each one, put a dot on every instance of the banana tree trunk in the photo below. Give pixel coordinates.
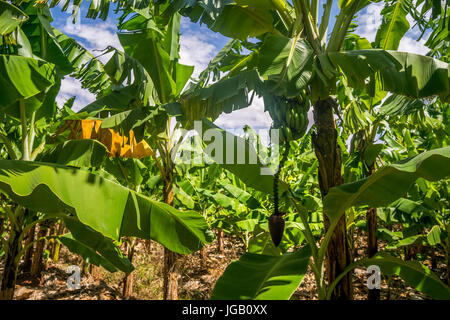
(338, 254)
(372, 245)
(129, 279)
(2, 223)
(37, 264)
(28, 257)
(447, 251)
(170, 272)
(220, 240)
(204, 257)
(12, 260)
(448, 269)
(170, 275)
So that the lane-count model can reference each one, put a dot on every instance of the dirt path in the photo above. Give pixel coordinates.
(198, 277)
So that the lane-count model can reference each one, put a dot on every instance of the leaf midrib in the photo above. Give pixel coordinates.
(391, 24)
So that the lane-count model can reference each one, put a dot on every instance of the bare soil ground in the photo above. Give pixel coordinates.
(197, 276)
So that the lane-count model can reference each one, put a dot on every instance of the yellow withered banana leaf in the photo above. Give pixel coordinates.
(117, 144)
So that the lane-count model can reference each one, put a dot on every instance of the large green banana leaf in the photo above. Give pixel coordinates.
(117, 101)
(236, 19)
(102, 204)
(41, 36)
(407, 74)
(388, 183)
(136, 119)
(42, 103)
(413, 273)
(393, 27)
(23, 77)
(262, 277)
(89, 255)
(88, 69)
(396, 105)
(242, 195)
(10, 17)
(94, 247)
(287, 63)
(145, 47)
(225, 95)
(153, 49)
(250, 173)
(77, 153)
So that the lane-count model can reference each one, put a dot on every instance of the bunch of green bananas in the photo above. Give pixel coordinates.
(290, 116)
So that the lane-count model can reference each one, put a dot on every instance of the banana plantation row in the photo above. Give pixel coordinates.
(373, 160)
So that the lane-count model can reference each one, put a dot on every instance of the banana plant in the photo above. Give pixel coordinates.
(290, 61)
(146, 76)
(293, 56)
(433, 16)
(25, 104)
(34, 58)
(383, 187)
(423, 214)
(309, 235)
(294, 53)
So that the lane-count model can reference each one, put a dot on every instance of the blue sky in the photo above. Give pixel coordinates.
(198, 47)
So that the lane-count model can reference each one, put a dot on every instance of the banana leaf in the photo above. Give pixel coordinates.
(262, 277)
(102, 204)
(388, 183)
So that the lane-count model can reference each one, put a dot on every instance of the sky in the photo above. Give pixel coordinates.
(198, 46)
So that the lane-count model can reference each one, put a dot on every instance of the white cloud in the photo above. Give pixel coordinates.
(254, 116)
(196, 46)
(408, 44)
(72, 87)
(369, 21)
(196, 52)
(197, 49)
(94, 37)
